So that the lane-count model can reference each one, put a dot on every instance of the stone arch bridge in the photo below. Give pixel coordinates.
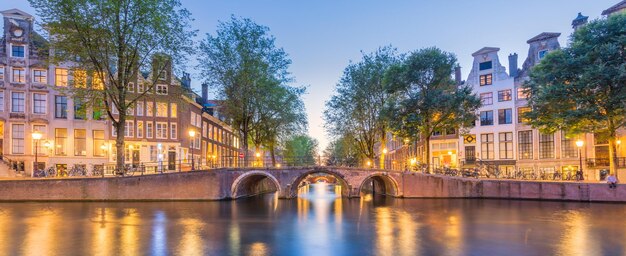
(286, 182)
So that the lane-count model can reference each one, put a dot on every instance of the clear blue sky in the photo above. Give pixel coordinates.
(322, 36)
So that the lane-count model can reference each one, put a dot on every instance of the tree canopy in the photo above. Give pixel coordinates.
(300, 150)
(108, 42)
(582, 88)
(428, 98)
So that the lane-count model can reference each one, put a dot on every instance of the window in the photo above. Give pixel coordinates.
(149, 108)
(542, 54)
(113, 131)
(97, 82)
(161, 89)
(99, 147)
(60, 77)
(173, 113)
(60, 107)
(506, 145)
(522, 94)
(486, 146)
(40, 76)
(129, 128)
(41, 149)
(114, 109)
(140, 108)
(204, 129)
(80, 110)
(17, 138)
(163, 75)
(161, 109)
(149, 129)
(505, 116)
(19, 75)
(17, 51)
(161, 130)
(198, 120)
(80, 79)
(1, 101)
(131, 87)
(153, 153)
(525, 144)
(486, 118)
(486, 79)
(520, 114)
(546, 146)
(139, 87)
(1, 73)
(39, 103)
(486, 98)
(568, 146)
(60, 138)
(129, 109)
(17, 102)
(139, 129)
(504, 95)
(174, 130)
(485, 65)
(80, 142)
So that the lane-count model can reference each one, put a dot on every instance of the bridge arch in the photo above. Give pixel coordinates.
(297, 182)
(253, 183)
(387, 185)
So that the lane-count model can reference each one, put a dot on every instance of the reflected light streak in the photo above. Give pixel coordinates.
(575, 239)
(258, 249)
(453, 234)
(102, 234)
(234, 239)
(6, 222)
(159, 234)
(384, 231)
(191, 240)
(129, 237)
(408, 240)
(40, 230)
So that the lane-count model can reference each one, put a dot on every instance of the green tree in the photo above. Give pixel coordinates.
(300, 150)
(342, 151)
(111, 41)
(428, 98)
(582, 88)
(357, 107)
(242, 63)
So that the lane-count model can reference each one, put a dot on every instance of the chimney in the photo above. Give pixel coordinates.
(513, 65)
(579, 21)
(205, 93)
(457, 75)
(186, 80)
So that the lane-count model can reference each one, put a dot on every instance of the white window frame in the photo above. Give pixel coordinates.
(131, 87)
(11, 49)
(1, 101)
(161, 89)
(173, 110)
(56, 81)
(129, 129)
(13, 75)
(160, 132)
(41, 150)
(140, 129)
(157, 109)
(140, 108)
(45, 76)
(24, 104)
(149, 108)
(23, 139)
(149, 129)
(139, 87)
(2, 73)
(173, 131)
(45, 103)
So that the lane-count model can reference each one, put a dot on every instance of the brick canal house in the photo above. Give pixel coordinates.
(157, 129)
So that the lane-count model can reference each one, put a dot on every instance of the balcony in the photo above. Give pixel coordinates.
(604, 162)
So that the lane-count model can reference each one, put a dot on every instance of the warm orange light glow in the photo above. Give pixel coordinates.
(192, 133)
(580, 143)
(37, 135)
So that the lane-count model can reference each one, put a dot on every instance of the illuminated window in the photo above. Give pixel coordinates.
(173, 113)
(486, 146)
(97, 82)
(525, 144)
(19, 75)
(520, 114)
(80, 79)
(60, 138)
(149, 127)
(139, 129)
(80, 142)
(161, 109)
(506, 145)
(60, 77)
(486, 79)
(546, 145)
(504, 95)
(98, 143)
(129, 128)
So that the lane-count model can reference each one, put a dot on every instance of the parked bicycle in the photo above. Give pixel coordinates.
(77, 170)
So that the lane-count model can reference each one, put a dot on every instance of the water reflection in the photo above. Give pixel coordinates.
(319, 222)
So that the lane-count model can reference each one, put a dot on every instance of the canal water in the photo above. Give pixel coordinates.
(317, 223)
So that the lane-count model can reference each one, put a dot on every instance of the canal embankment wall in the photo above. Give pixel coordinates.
(217, 185)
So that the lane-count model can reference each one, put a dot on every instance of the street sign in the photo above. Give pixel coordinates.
(240, 155)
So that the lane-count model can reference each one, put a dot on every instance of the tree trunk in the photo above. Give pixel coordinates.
(383, 147)
(613, 156)
(427, 152)
(273, 154)
(246, 157)
(119, 145)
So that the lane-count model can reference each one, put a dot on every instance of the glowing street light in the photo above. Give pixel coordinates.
(192, 135)
(36, 137)
(579, 144)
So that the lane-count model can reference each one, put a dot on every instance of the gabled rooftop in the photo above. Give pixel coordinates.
(543, 36)
(614, 8)
(17, 14)
(485, 50)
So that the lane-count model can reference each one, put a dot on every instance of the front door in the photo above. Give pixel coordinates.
(470, 154)
(171, 160)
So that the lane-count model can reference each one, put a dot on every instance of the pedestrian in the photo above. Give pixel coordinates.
(612, 181)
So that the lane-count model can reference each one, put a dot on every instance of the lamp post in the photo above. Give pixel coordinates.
(258, 160)
(579, 144)
(383, 159)
(192, 135)
(36, 137)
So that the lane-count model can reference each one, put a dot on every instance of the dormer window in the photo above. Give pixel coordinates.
(485, 65)
(542, 54)
(17, 51)
(161, 89)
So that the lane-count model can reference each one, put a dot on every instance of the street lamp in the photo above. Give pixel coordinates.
(36, 137)
(192, 135)
(579, 144)
(258, 160)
